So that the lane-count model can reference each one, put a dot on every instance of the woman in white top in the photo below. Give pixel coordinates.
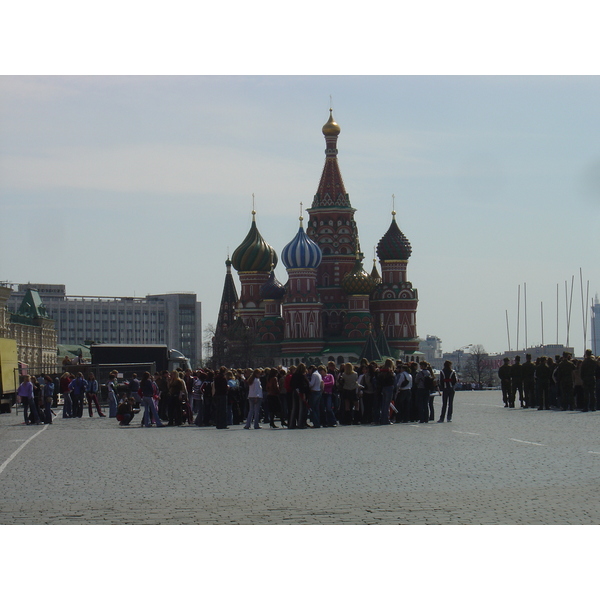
(255, 396)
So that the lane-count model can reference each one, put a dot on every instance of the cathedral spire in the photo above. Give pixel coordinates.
(331, 190)
(229, 300)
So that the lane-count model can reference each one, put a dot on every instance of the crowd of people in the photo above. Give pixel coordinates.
(299, 397)
(562, 383)
(296, 397)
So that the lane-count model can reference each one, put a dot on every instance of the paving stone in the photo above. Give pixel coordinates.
(485, 467)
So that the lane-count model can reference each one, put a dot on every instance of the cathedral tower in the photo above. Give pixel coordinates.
(253, 259)
(394, 302)
(332, 226)
(302, 306)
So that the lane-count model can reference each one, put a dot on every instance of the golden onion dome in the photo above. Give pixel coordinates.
(331, 127)
(358, 281)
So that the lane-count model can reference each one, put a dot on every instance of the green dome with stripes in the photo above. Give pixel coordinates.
(254, 254)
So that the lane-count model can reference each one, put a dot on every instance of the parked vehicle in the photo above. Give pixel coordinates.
(159, 354)
(9, 374)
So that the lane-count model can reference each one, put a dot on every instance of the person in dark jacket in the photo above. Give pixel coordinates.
(543, 376)
(48, 395)
(149, 392)
(504, 376)
(92, 395)
(78, 388)
(220, 389)
(300, 395)
(588, 377)
(528, 372)
(126, 411)
(447, 384)
(516, 382)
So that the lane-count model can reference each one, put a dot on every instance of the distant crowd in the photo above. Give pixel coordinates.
(296, 397)
(299, 397)
(562, 383)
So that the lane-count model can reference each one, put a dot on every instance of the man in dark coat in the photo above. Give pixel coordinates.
(588, 376)
(516, 382)
(564, 375)
(504, 376)
(528, 372)
(221, 388)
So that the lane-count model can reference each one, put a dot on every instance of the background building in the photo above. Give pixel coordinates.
(32, 328)
(171, 319)
(431, 347)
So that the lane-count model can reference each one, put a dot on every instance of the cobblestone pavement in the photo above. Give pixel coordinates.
(492, 465)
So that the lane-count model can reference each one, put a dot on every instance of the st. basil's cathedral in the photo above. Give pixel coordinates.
(330, 309)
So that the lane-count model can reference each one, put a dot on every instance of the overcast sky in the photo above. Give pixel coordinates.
(123, 185)
(138, 185)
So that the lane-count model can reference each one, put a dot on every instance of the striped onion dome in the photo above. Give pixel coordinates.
(254, 254)
(272, 289)
(358, 281)
(394, 245)
(301, 252)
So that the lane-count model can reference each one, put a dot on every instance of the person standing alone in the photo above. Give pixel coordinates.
(447, 385)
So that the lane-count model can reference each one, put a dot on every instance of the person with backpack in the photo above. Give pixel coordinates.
(447, 384)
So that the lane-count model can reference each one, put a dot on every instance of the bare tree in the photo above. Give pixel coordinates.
(478, 368)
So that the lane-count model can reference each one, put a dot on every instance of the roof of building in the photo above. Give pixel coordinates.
(358, 281)
(229, 300)
(394, 245)
(331, 190)
(382, 344)
(301, 252)
(370, 350)
(272, 289)
(254, 254)
(375, 273)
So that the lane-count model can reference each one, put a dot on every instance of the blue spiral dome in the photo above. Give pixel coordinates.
(301, 252)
